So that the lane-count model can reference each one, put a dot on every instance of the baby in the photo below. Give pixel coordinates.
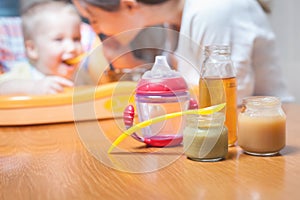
(52, 35)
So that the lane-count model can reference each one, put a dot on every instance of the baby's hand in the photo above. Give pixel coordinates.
(51, 85)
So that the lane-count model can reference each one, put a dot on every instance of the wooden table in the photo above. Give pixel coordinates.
(52, 162)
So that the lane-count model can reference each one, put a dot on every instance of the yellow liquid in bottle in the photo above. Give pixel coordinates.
(213, 91)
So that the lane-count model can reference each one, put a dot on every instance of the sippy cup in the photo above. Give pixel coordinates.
(160, 91)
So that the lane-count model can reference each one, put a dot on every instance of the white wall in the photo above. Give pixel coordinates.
(285, 19)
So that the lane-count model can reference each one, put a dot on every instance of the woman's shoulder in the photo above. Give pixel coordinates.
(216, 9)
(224, 13)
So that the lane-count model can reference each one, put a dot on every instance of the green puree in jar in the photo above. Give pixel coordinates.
(205, 138)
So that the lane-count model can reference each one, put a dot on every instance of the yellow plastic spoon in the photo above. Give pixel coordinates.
(201, 111)
(75, 60)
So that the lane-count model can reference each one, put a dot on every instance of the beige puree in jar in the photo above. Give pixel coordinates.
(261, 126)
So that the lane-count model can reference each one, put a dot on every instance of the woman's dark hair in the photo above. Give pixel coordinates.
(109, 5)
(265, 6)
(112, 5)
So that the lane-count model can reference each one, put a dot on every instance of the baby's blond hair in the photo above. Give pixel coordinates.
(33, 16)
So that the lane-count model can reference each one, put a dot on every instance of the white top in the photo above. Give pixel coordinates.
(22, 70)
(244, 26)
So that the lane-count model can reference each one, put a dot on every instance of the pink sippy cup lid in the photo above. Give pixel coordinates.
(161, 80)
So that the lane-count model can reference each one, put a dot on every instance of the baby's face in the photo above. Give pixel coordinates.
(57, 40)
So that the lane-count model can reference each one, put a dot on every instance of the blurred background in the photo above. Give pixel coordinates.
(285, 19)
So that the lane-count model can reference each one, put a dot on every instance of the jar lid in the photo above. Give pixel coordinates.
(161, 80)
(207, 121)
(261, 101)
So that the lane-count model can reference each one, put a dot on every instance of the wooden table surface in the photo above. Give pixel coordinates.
(69, 161)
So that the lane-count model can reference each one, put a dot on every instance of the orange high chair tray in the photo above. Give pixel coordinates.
(76, 104)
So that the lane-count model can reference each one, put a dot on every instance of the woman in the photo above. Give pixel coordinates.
(242, 24)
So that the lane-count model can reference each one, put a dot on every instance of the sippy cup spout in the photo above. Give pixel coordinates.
(160, 67)
(160, 70)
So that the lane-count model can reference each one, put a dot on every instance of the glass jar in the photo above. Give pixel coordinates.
(217, 84)
(205, 138)
(261, 126)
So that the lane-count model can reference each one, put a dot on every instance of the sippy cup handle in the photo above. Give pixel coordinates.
(193, 104)
(128, 118)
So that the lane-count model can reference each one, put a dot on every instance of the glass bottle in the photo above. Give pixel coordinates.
(205, 137)
(217, 84)
(261, 126)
